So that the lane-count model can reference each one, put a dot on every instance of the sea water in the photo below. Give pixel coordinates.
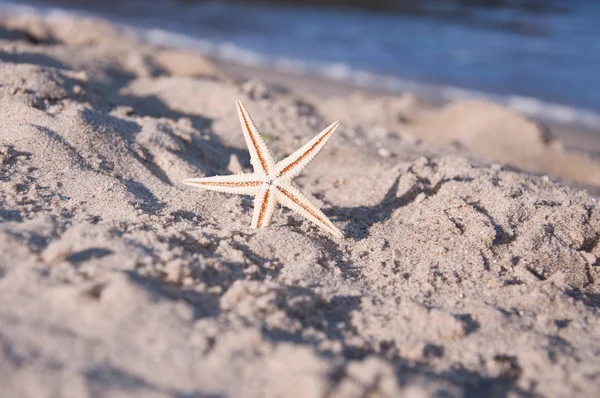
(544, 63)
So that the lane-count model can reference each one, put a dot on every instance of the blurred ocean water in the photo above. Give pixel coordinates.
(544, 63)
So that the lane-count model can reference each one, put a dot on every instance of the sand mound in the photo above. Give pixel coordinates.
(482, 128)
(498, 133)
(455, 278)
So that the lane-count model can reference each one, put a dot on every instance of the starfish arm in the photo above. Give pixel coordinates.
(241, 184)
(290, 197)
(260, 157)
(264, 204)
(293, 165)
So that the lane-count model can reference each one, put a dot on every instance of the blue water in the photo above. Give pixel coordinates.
(545, 64)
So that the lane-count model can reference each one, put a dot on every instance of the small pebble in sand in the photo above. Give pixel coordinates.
(384, 153)
(234, 164)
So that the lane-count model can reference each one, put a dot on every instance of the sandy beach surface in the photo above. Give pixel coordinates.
(468, 268)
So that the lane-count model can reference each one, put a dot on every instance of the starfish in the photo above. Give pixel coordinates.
(271, 182)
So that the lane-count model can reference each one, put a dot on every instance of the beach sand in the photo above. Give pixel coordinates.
(466, 268)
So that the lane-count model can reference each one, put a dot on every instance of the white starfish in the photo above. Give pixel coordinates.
(272, 182)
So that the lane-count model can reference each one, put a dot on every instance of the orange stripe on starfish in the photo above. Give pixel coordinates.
(261, 158)
(230, 184)
(263, 208)
(302, 205)
(307, 153)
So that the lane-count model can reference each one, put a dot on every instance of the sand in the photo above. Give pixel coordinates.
(466, 268)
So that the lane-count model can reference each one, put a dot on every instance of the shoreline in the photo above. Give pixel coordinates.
(574, 136)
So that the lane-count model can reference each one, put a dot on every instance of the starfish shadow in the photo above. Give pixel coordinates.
(362, 218)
